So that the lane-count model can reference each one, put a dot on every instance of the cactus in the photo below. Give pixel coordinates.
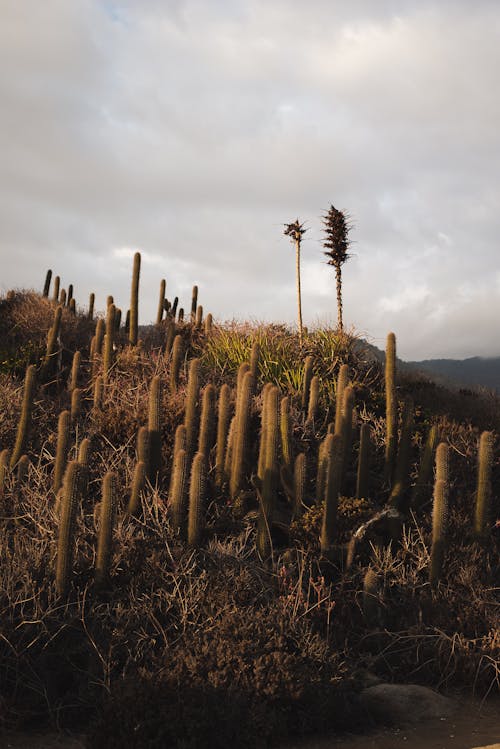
(228, 460)
(99, 336)
(4, 469)
(346, 429)
(175, 363)
(154, 428)
(439, 520)
(63, 426)
(55, 293)
(223, 418)
(83, 461)
(362, 478)
(76, 404)
(46, 285)
(286, 433)
(207, 421)
(118, 319)
(321, 470)
(106, 522)
(109, 300)
(269, 481)
(191, 410)
(51, 350)
(90, 314)
(306, 382)
(138, 483)
(72, 306)
(334, 451)
(134, 301)
(25, 417)
(312, 407)
(194, 303)
(62, 298)
(126, 326)
(169, 336)
(242, 370)
(108, 342)
(391, 409)
(299, 485)
(199, 316)
(70, 295)
(208, 323)
(22, 469)
(71, 496)
(143, 447)
(342, 380)
(75, 370)
(422, 488)
(483, 492)
(442, 460)
(371, 605)
(173, 309)
(399, 492)
(180, 316)
(178, 494)
(161, 302)
(197, 490)
(240, 446)
(263, 425)
(98, 393)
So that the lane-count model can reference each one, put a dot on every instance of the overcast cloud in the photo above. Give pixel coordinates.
(193, 130)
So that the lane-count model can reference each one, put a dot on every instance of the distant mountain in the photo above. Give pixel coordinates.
(474, 372)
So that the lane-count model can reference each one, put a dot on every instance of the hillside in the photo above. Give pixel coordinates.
(213, 537)
(476, 371)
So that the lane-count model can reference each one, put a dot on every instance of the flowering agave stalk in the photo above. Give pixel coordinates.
(337, 242)
(295, 231)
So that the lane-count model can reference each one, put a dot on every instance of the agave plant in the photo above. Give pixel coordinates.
(296, 231)
(337, 241)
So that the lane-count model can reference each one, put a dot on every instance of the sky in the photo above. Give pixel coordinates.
(193, 130)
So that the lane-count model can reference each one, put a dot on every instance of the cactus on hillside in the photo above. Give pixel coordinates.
(138, 483)
(442, 462)
(342, 380)
(154, 428)
(191, 408)
(48, 360)
(306, 380)
(62, 448)
(362, 478)
(46, 285)
(134, 301)
(25, 417)
(90, 313)
(71, 497)
(422, 490)
(109, 338)
(161, 302)
(76, 404)
(268, 484)
(175, 362)
(194, 303)
(208, 323)
(312, 407)
(178, 492)
(197, 490)
(223, 419)
(75, 371)
(207, 421)
(391, 409)
(439, 521)
(199, 316)
(286, 433)
(106, 522)
(483, 490)
(143, 447)
(334, 452)
(98, 393)
(55, 292)
(241, 435)
(299, 485)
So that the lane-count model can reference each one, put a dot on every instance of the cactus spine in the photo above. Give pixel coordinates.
(46, 285)
(391, 409)
(106, 521)
(422, 488)
(439, 518)
(312, 408)
(362, 478)
(334, 451)
(299, 485)
(197, 490)
(134, 301)
(161, 302)
(70, 499)
(286, 433)
(483, 492)
(223, 419)
(143, 447)
(138, 483)
(62, 448)
(75, 370)
(154, 428)
(179, 491)
(207, 422)
(191, 411)
(25, 417)
(269, 480)
(76, 404)
(240, 445)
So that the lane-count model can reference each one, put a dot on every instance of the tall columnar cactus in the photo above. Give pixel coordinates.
(4, 469)
(371, 591)
(109, 338)
(286, 434)
(207, 421)
(180, 316)
(62, 448)
(312, 407)
(118, 319)
(75, 370)
(161, 302)
(170, 331)
(84, 460)
(154, 428)
(422, 490)
(348, 397)
(173, 309)
(197, 490)
(98, 393)
(138, 483)
(439, 521)
(175, 362)
(306, 380)
(52, 345)
(100, 329)
(442, 462)
(321, 470)
(70, 295)
(194, 303)
(263, 426)
(22, 469)
(391, 409)
(76, 404)
(55, 292)
(399, 497)
(134, 301)
(72, 306)
(71, 497)
(483, 491)
(299, 485)
(90, 314)
(106, 522)
(241, 435)
(268, 484)
(126, 327)
(143, 447)
(228, 459)
(191, 410)
(178, 493)
(199, 316)
(223, 418)
(334, 451)
(62, 298)
(208, 323)
(46, 285)
(363, 474)
(25, 417)
(242, 370)
(342, 380)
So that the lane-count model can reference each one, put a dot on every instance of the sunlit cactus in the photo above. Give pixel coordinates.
(46, 285)
(334, 451)
(342, 380)
(75, 371)
(391, 409)
(154, 428)
(76, 404)
(176, 362)
(241, 435)
(178, 493)
(62, 448)
(197, 489)
(25, 417)
(312, 408)
(223, 419)
(207, 421)
(191, 410)
(306, 382)
(106, 522)
(286, 433)
(161, 302)
(483, 491)
(52, 345)
(71, 497)
(439, 521)
(134, 301)
(138, 483)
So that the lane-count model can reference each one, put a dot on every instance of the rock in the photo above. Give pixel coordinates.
(404, 703)
(489, 746)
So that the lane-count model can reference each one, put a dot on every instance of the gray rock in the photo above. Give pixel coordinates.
(403, 704)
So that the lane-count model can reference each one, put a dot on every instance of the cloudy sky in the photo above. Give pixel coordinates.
(194, 129)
